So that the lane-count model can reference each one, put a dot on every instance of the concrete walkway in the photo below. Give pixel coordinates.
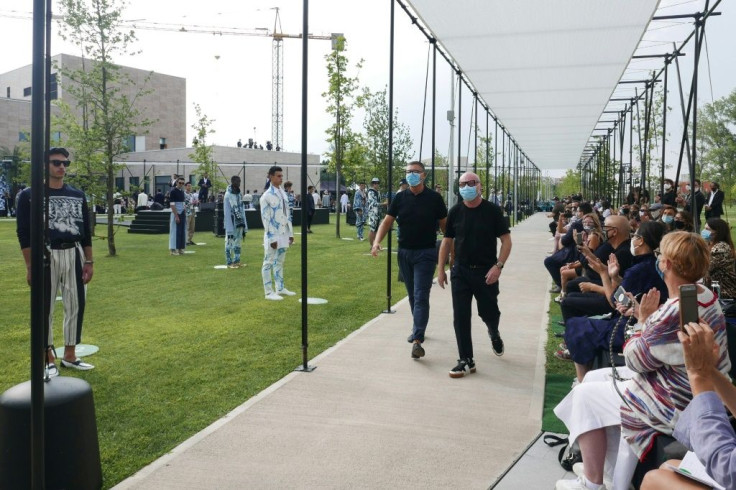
(371, 417)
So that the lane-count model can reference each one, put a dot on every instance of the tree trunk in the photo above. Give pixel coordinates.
(110, 211)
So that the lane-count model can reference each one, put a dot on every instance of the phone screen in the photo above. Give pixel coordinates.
(688, 304)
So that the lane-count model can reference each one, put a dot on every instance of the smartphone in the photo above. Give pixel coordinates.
(688, 305)
(621, 298)
(579, 238)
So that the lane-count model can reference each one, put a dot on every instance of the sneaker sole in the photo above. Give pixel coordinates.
(456, 375)
(418, 353)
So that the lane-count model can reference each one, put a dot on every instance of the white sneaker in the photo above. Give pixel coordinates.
(579, 470)
(53, 370)
(286, 292)
(273, 297)
(580, 483)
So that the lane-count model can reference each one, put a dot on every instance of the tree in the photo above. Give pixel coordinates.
(345, 146)
(717, 140)
(375, 125)
(569, 184)
(104, 117)
(202, 151)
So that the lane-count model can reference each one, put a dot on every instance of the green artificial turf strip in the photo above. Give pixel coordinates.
(181, 343)
(560, 374)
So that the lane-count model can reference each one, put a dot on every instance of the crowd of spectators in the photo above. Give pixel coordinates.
(617, 274)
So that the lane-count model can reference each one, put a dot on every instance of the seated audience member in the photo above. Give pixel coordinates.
(655, 210)
(722, 257)
(703, 427)
(653, 384)
(586, 337)
(644, 214)
(592, 238)
(668, 217)
(568, 251)
(586, 297)
(668, 198)
(684, 221)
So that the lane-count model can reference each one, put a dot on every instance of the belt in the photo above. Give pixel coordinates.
(63, 245)
(476, 266)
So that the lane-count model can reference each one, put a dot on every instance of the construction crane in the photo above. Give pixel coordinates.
(277, 52)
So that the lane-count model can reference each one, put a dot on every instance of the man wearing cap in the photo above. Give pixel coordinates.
(359, 202)
(474, 226)
(372, 208)
(70, 256)
(418, 209)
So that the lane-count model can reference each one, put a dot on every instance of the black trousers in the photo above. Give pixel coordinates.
(584, 304)
(466, 284)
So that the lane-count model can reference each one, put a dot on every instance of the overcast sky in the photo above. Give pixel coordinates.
(230, 76)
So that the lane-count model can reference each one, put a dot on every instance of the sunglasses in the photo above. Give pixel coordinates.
(59, 163)
(471, 183)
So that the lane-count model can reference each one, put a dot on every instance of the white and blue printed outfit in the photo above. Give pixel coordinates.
(235, 225)
(177, 231)
(359, 208)
(277, 228)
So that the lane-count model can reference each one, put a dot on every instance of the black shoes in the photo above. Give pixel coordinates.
(417, 351)
(463, 365)
(410, 338)
(496, 343)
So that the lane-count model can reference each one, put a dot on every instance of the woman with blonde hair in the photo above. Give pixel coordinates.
(654, 386)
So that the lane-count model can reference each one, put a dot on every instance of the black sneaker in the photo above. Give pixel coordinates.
(496, 344)
(462, 364)
(417, 351)
(410, 338)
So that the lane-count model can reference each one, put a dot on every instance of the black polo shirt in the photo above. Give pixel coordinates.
(418, 215)
(475, 231)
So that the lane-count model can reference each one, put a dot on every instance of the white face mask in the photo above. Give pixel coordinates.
(667, 187)
(632, 248)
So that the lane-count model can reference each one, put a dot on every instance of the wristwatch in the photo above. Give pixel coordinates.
(499, 264)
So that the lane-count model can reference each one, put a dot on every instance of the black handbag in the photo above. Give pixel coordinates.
(567, 456)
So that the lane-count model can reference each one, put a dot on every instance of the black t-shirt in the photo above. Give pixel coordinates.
(177, 195)
(68, 217)
(475, 231)
(418, 215)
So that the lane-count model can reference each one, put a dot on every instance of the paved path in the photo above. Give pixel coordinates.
(371, 417)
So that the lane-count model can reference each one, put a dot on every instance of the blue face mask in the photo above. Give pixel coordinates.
(413, 179)
(468, 193)
(659, 271)
(668, 219)
(706, 235)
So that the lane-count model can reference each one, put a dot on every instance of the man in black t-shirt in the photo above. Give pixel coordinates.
(69, 256)
(418, 209)
(474, 225)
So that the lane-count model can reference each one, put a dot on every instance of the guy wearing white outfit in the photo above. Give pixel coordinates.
(278, 235)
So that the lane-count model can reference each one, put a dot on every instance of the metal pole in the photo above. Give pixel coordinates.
(475, 157)
(459, 130)
(38, 273)
(495, 165)
(305, 367)
(664, 126)
(694, 98)
(338, 149)
(434, 106)
(390, 151)
(488, 149)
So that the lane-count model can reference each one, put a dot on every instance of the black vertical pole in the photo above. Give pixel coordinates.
(664, 125)
(694, 98)
(305, 72)
(390, 150)
(38, 318)
(488, 149)
(434, 106)
(459, 124)
(475, 157)
(631, 146)
(495, 164)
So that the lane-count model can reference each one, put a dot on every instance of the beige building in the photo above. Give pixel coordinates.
(158, 167)
(164, 104)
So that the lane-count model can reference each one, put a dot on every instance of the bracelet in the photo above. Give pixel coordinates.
(90, 262)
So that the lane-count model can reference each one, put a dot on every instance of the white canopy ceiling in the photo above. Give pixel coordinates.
(546, 68)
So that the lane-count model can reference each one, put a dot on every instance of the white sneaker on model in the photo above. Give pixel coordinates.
(286, 292)
(273, 297)
(580, 483)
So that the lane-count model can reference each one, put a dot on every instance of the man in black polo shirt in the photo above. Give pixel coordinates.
(474, 225)
(418, 210)
(70, 257)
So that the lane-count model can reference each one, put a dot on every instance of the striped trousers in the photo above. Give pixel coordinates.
(65, 276)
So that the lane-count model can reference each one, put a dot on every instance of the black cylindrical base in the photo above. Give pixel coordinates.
(72, 450)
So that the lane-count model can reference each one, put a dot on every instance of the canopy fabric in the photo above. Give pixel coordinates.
(545, 68)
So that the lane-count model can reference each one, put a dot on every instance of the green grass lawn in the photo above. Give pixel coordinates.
(182, 344)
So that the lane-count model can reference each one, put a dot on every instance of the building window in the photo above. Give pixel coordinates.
(120, 183)
(53, 87)
(133, 182)
(7, 92)
(22, 136)
(162, 143)
(130, 143)
(27, 92)
(56, 136)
